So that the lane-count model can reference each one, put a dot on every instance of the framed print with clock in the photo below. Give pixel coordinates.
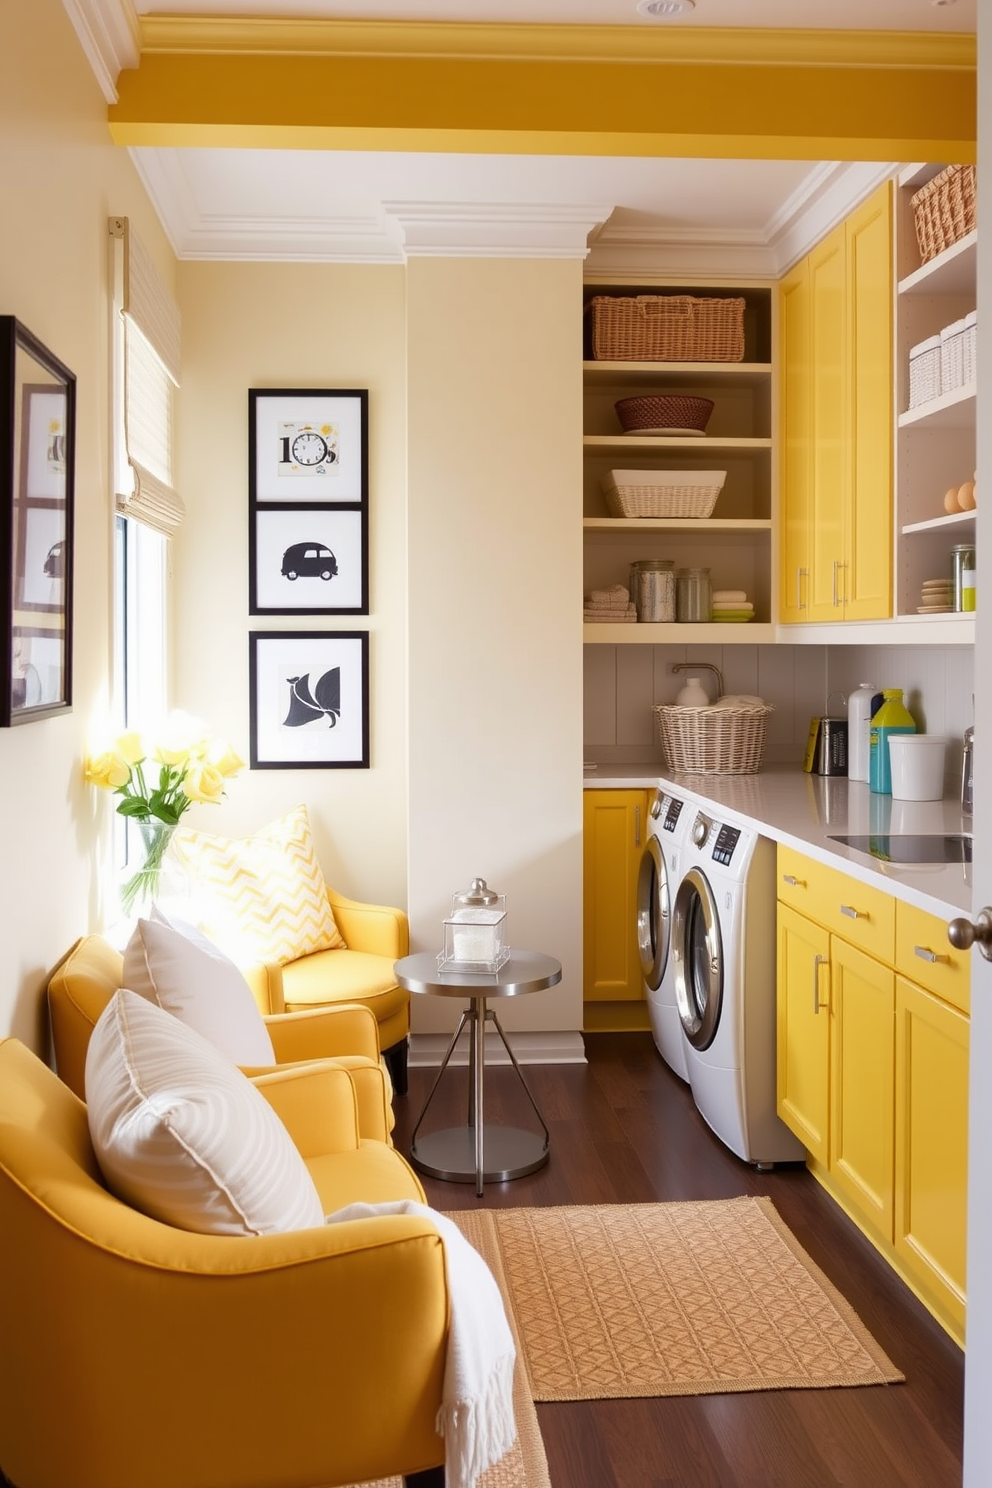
(37, 457)
(307, 445)
(307, 560)
(309, 700)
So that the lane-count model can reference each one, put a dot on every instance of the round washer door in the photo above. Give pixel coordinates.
(654, 919)
(697, 951)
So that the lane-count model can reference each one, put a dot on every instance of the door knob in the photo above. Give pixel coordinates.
(963, 934)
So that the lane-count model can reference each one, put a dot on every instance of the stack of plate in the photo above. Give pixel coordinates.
(936, 597)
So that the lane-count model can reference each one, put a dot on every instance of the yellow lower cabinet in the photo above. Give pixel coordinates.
(862, 1017)
(614, 827)
(931, 1150)
(803, 1031)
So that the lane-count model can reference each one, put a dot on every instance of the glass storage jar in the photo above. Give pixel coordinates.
(693, 594)
(652, 588)
(963, 567)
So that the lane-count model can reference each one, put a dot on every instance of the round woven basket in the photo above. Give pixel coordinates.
(664, 411)
(712, 741)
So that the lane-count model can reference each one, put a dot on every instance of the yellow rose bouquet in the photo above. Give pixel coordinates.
(158, 782)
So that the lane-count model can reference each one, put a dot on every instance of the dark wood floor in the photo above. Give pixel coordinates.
(624, 1130)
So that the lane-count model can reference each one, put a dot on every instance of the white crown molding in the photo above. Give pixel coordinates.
(108, 32)
(495, 229)
(354, 238)
(824, 200)
(826, 197)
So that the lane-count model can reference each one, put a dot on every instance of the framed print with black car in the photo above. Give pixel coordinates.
(37, 459)
(309, 699)
(307, 560)
(307, 445)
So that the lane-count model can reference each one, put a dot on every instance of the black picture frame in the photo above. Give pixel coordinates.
(308, 560)
(309, 699)
(308, 446)
(37, 475)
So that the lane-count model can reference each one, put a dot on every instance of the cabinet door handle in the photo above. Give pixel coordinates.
(796, 883)
(852, 913)
(637, 826)
(801, 573)
(926, 954)
(818, 961)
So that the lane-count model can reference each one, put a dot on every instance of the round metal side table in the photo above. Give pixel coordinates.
(475, 1152)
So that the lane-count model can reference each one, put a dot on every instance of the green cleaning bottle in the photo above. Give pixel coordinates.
(893, 717)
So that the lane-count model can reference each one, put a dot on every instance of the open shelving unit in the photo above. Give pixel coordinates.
(735, 543)
(935, 441)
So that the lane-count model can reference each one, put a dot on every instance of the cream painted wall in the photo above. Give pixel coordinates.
(61, 179)
(495, 671)
(280, 326)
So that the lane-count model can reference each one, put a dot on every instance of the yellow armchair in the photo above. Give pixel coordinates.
(87, 978)
(153, 1341)
(377, 937)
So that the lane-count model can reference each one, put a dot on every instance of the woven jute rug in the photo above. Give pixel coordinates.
(525, 1465)
(708, 1297)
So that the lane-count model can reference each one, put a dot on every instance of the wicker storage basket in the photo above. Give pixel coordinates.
(712, 741)
(944, 210)
(664, 411)
(667, 328)
(662, 493)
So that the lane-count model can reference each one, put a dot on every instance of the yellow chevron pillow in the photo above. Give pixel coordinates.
(262, 898)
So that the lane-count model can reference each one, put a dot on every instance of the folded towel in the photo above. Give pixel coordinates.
(733, 609)
(609, 617)
(614, 598)
(476, 1415)
(730, 596)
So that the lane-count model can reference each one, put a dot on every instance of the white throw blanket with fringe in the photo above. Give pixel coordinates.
(476, 1416)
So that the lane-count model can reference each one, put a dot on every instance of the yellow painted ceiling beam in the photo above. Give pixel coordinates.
(549, 90)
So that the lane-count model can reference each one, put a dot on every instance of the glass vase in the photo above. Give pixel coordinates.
(147, 883)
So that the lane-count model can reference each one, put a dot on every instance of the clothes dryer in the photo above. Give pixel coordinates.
(723, 960)
(657, 883)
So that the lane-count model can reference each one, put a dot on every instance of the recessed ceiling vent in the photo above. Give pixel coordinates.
(665, 10)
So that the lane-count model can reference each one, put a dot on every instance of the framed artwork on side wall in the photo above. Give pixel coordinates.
(37, 462)
(309, 699)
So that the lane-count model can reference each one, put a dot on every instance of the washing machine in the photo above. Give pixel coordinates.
(657, 882)
(723, 963)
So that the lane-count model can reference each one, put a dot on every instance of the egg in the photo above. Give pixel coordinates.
(966, 496)
(951, 500)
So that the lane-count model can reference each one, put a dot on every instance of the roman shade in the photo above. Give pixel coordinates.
(151, 359)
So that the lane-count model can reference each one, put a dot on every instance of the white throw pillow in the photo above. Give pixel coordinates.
(181, 1134)
(171, 964)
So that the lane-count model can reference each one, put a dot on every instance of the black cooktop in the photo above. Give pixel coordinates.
(952, 847)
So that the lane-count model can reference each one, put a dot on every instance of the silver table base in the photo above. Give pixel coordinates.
(474, 1152)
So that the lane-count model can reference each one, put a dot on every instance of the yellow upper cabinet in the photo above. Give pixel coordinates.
(836, 434)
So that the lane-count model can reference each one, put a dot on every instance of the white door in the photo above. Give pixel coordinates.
(978, 1362)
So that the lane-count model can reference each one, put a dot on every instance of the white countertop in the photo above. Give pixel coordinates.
(803, 811)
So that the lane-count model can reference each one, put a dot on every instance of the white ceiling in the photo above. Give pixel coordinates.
(701, 216)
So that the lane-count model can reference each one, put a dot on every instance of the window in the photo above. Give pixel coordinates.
(145, 373)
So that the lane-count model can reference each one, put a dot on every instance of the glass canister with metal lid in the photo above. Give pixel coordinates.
(652, 588)
(963, 569)
(693, 594)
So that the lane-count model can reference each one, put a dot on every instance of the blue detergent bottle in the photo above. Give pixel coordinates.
(893, 717)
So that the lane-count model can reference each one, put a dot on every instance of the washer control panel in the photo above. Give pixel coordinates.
(727, 839)
(672, 814)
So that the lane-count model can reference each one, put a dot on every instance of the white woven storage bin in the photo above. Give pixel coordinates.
(969, 348)
(924, 371)
(712, 741)
(662, 493)
(952, 356)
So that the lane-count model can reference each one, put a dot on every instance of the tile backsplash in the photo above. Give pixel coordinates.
(621, 683)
